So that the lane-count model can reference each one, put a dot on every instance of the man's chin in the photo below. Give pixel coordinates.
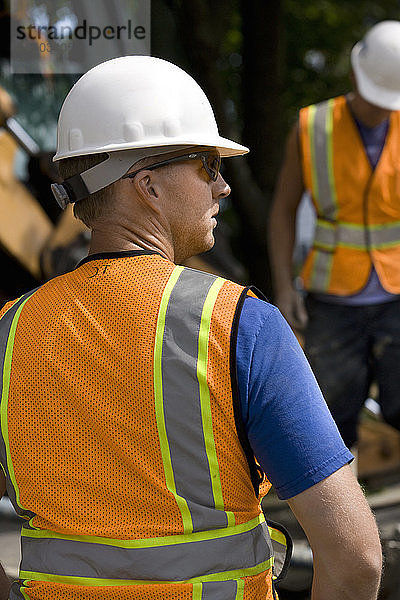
(208, 244)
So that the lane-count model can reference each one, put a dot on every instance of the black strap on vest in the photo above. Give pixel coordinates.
(256, 472)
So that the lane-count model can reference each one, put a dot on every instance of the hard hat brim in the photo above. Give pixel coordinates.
(224, 146)
(375, 94)
(228, 148)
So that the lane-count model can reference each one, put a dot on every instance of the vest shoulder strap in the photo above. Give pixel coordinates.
(256, 473)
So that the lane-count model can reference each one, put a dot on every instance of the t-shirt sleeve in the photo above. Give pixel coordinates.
(289, 426)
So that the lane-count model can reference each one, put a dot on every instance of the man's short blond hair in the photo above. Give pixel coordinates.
(88, 209)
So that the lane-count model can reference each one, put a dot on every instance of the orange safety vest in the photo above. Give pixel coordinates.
(119, 439)
(358, 208)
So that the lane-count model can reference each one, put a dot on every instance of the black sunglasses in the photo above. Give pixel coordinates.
(211, 160)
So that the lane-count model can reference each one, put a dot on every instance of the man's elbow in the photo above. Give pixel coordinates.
(363, 570)
(372, 562)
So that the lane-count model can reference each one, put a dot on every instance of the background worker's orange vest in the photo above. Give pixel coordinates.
(358, 209)
(119, 440)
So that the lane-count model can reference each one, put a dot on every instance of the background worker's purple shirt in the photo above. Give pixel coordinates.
(288, 423)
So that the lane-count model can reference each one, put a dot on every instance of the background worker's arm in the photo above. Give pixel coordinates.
(4, 581)
(343, 536)
(282, 230)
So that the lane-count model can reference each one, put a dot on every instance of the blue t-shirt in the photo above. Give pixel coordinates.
(288, 423)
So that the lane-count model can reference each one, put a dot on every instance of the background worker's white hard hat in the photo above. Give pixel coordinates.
(136, 102)
(376, 65)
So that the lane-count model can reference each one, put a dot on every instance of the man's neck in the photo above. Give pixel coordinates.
(104, 242)
(366, 113)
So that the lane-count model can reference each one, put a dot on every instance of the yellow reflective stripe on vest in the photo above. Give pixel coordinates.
(205, 398)
(310, 128)
(241, 551)
(320, 128)
(197, 591)
(98, 582)
(240, 589)
(159, 407)
(182, 397)
(28, 530)
(8, 326)
(280, 549)
(277, 536)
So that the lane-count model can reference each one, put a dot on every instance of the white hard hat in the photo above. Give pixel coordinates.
(376, 64)
(132, 107)
(136, 102)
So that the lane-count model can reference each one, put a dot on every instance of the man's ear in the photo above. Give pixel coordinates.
(147, 188)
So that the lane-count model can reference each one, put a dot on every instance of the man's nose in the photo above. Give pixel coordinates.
(220, 188)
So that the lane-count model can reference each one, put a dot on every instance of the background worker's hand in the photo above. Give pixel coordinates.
(291, 305)
(7, 108)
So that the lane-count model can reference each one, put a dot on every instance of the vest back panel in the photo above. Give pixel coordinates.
(86, 456)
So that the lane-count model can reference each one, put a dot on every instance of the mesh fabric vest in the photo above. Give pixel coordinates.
(358, 209)
(119, 441)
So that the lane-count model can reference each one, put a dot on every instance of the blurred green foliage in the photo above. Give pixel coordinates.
(318, 37)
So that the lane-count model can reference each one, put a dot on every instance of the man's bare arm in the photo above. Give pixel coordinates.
(343, 536)
(4, 581)
(282, 230)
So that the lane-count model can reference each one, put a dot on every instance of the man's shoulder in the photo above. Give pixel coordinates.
(260, 320)
(260, 305)
(43, 290)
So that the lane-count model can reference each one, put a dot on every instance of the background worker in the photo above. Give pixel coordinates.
(136, 392)
(345, 151)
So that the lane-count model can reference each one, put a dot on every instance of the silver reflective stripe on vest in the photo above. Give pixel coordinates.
(321, 270)
(182, 399)
(220, 590)
(320, 134)
(7, 330)
(182, 403)
(384, 236)
(329, 235)
(129, 560)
